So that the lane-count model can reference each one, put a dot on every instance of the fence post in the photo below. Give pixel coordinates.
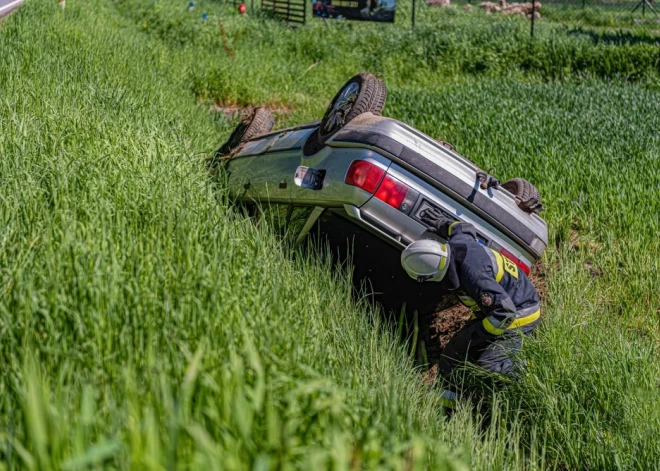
(533, 10)
(413, 13)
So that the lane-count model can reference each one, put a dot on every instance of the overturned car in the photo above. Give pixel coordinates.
(377, 175)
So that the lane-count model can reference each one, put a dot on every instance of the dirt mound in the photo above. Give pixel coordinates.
(438, 3)
(524, 9)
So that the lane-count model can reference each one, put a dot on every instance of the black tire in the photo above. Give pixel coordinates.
(527, 195)
(260, 121)
(363, 93)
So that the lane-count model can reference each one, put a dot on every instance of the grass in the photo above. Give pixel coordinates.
(144, 324)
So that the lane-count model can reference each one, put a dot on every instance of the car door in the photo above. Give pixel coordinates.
(270, 177)
(272, 165)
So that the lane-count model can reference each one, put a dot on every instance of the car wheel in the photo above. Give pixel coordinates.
(260, 121)
(527, 195)
(361, 94)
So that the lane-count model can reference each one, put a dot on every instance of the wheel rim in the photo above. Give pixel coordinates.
(336, 116)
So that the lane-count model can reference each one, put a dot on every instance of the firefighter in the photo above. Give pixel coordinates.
(504, 303)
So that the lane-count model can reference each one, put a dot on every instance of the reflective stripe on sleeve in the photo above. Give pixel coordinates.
(451, 227)
(523, 321)
(495, 327)
(500, 266)
(469, 302)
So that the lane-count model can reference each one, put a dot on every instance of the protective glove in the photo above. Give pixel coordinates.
(438, 222)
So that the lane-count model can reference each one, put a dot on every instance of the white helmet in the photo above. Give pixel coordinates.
(426, 259)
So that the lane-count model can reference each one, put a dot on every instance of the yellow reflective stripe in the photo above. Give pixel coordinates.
(500, 266)
(443, 260)
(448, 403)
(469, 302)
(488, 325)
(448, 399)
(525, 320)
(451, 227)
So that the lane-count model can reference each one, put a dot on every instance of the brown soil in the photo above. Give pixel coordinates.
(438, 3)
(524, 9)
(446, 323)
(539, 280)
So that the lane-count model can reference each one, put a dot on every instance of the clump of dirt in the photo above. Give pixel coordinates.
(446, 323)
(440, 328)
(438, 3)
(429, 376)
(235, 111)
(579, 241)
(523, 9)
(538, 278)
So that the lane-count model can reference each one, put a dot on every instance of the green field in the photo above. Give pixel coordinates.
(145, 324)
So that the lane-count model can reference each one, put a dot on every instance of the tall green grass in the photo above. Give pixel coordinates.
(446, 45)
(144, 324)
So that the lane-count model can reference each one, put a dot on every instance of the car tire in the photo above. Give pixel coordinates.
(363, 93)
(259, 121)
(527, 195)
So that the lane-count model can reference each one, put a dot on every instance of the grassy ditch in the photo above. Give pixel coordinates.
(242, 60)
(144, 324)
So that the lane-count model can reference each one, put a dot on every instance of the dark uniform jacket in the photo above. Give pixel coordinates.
(492, 286)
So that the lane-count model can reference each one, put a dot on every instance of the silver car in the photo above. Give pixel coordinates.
(380, 174)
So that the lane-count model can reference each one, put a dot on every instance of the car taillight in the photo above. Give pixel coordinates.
(364, 175)
(388, 189)
(515, 260)
(392, 192)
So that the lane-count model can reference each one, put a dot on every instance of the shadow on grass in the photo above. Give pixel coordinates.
(617, 38)
(409, 307)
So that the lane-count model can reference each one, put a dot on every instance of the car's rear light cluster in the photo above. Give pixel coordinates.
(392, 191)
(397, 194)
(388, 189)
(364, 175)
(515, 260)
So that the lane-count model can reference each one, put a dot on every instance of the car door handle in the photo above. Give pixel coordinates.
(283, 184)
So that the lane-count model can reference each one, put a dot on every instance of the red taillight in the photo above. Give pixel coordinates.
(364, 175)
(515, 260)
(372, 178)
(392, 192)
